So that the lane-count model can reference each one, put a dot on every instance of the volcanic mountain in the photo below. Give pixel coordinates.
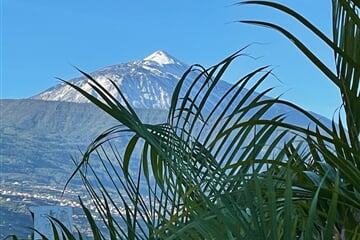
(147, 83)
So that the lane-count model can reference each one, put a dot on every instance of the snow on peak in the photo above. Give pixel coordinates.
(161, 57)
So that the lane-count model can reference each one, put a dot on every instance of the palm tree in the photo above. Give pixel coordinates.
(226, 170)
(199, 173)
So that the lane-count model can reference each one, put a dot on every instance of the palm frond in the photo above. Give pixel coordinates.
(186, 167)
(334, 152)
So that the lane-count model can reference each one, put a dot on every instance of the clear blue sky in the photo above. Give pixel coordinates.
(42, 39)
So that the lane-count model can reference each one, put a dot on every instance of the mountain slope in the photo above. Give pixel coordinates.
(147, 83)
(37, 141)
(39, 135)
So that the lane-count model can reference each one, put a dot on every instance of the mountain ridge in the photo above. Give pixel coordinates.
(147, 83)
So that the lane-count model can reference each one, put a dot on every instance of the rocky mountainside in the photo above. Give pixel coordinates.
(147, 83)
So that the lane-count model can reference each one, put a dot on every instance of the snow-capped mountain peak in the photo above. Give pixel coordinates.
(146, 83)
(149, 84)
(162, 58)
